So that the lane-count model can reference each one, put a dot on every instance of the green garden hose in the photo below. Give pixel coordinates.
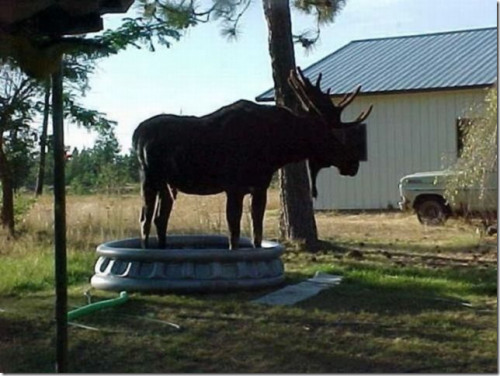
(90, 308)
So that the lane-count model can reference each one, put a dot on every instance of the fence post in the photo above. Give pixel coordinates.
(60, 222)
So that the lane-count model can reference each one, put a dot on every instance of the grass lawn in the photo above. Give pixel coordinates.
(412, 299)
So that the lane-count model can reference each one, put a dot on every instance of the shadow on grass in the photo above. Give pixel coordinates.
(362, 325)
(479, 274)
(389, 289)
(345, 246)
(26, 345)
(354, 296)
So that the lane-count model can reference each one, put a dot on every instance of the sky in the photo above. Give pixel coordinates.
(204, 71)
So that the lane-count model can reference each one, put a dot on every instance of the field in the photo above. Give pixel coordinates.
(412, 299)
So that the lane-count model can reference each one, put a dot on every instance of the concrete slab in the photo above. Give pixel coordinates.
(293, 294)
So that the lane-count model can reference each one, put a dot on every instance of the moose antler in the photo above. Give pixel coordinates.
(364, 115)
(348, 98)
(306, 93)
(300, 91)
(312, 98)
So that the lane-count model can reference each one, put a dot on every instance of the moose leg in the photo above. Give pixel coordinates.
(234, 209)
(148, 208)
(163, 209)
(259, 199)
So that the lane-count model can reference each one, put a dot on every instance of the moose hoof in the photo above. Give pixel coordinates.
(189, 263)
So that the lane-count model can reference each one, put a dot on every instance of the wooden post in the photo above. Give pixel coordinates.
(60, 223)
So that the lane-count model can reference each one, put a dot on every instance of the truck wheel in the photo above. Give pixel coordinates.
(431, 212)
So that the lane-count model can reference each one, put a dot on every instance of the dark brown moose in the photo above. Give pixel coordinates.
(236, 150)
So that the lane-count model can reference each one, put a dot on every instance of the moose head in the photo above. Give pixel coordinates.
(321, 107)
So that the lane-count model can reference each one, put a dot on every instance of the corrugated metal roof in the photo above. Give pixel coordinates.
(446, 60)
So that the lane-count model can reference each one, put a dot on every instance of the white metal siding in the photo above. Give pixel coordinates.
(406, 133)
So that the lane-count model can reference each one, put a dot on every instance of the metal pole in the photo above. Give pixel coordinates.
(60, 223)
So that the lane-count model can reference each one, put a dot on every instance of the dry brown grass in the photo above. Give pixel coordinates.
(402, 238)
(393, 228)
(98, 218)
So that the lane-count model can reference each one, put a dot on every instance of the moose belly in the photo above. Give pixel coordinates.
(200, 185)
(199, 190)
(213, 189)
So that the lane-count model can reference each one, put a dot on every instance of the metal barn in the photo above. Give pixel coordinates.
(420, 86)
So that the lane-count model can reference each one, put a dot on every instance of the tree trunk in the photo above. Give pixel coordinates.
(297, 215)
(43, 140)
(7, 212)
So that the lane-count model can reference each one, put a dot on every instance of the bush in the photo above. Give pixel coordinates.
(478, 162)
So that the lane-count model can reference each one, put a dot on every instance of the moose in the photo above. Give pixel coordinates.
(236, 150)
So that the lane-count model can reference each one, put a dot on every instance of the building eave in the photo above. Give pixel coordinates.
(407, 91)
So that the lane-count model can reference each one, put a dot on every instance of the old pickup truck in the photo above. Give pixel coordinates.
(424, 193)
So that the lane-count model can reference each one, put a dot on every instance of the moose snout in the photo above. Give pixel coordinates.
(349, 170)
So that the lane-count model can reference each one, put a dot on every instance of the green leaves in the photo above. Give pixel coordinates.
(139, 31)
(84, 117)
(163, 21)
(324, 12)
(479, 159)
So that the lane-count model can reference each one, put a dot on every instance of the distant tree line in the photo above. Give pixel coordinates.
(98, 169)
(101, 169)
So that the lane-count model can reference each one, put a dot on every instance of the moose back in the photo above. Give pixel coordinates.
(236, 150)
